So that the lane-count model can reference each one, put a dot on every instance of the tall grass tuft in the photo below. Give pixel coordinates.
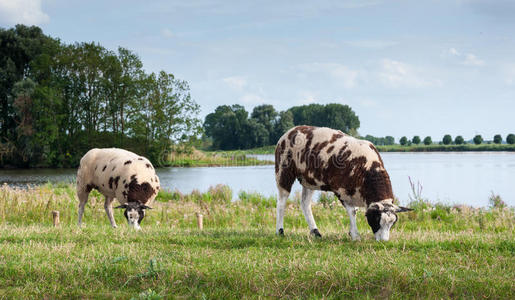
(416, 201)
(328, 199)
(496, 201)
(220, 193)
(256, 199)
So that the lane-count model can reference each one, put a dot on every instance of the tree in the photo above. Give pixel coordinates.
(374, 140)
(254, 135)
(24, 112)
(334, 115)
(19, 46)
(311, 114)
(478, 139)
(403, 141)
(447, 139)
(416, 140)
(126, 82)
(459, 140)
(338, 116)
(388, 140)
(266, 115)
(166, 115)
(497, 139)
(282, 124)
(57, 101)
(226, 126)
(510, 139)
(428, 141)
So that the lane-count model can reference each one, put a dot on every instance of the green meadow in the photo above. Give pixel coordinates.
(435, 251)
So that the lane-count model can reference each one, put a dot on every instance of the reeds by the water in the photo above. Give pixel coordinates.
(33, 205)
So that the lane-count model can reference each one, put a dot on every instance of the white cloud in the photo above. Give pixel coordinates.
(307, 97)
(371, 44)
(472, 60)
(454, 52)
(368, 103)
(235, 82)
(167, 33)
(466, 59)
(252, 99)
(346, 76)
(26, 12)
(396, 74)
(509, 73)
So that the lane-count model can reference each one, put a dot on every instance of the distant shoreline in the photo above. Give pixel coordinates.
(448, 148)
(235, 158)
(400, 148)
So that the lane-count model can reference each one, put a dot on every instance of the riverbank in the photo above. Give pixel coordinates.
(410, 148)
(448, 148)
(198, 158)
(435, 251)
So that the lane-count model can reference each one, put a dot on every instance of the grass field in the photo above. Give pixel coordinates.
(435, 251)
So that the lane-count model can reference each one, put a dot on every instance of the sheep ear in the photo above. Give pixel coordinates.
(403, 209)
(122, 206)
(145, 207)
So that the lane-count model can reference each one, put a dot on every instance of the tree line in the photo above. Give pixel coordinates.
(458, 140)
(231, 127)
(59, 100)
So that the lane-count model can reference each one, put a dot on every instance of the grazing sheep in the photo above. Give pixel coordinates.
(120, 174)
(329, 160)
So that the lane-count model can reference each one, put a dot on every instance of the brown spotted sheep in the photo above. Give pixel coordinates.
(120, 174)
(325, 159)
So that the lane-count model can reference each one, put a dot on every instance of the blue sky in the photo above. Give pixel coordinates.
(405, 67)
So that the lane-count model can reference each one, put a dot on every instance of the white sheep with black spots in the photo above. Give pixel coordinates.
(120, 174)
(325, 159)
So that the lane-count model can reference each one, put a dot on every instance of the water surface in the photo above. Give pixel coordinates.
(448, 177)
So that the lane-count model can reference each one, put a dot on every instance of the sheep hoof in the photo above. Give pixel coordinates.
(355, 237)
(280, 232)
(316, 233)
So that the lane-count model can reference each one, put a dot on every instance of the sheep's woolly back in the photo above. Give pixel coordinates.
(327, 159)
(118, 173)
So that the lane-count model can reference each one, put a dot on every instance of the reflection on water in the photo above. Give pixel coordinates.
(456, 177)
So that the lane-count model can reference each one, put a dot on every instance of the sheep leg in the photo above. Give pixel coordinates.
(281, 205)
(306, 209)
(83, 199)
(353, 232)
(108, 205)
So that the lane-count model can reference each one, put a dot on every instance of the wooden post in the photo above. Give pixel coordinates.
(55, 215)
(199, 221)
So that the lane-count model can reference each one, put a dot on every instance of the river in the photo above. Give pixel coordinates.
(447, 177)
